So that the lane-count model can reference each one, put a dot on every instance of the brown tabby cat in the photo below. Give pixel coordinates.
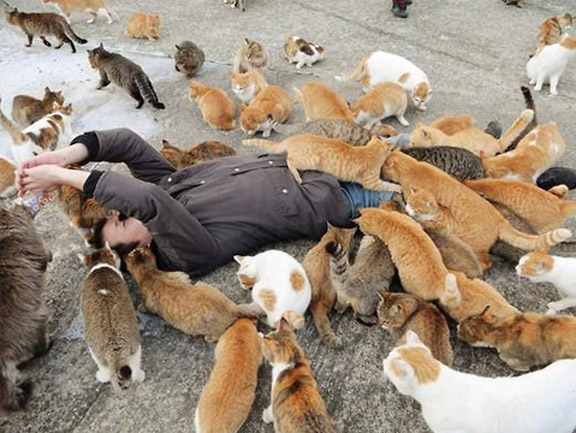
(321, 102)
(7, 170)
(297, 406)
(143, 26)
(42, 25)
(196, 309)
(248, 84)
(216, 107)
(402, 312)
(552, 30)
(251, 54)
(270, 106)
(523, 340)
(205, 151)
(227, 398)
(317, 266)
(351, 164)
(189, 58)
(26, 109)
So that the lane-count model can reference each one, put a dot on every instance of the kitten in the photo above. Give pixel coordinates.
(48, 133)
(385, 100)
(540, 267)
(279, 286)
(241, 4)
(196, 309)
(456, 161)
(464, 206)
(26, 109)
(296, 406)
(205, 151)
(215, 105)
(7, 173)
(552, 30)
(251, 54)
(302, 52)
(189, 58)
(269, 107)
(534, 154)
(92, 6)
(531, 403)
(379, 67)
(228, 396)
(350, 164)
(23, 260)
(417, 259)
(43, 25)
(357, 285)
(456, 254)
(143, 26)
(110, 322)
(247, 85)
(125, 74)
(557, 176)
(321, 102)
(523, 340)
(550, 63)
(317, 265)
(400, 313)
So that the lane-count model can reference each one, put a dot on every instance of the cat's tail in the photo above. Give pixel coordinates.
(339, 265)
(516, 129)
(528, 242)
(530, 105)
(451, 295)
(319, 310)
(356, 74)
(271, 146)
(14, 130)
(147, 91)
(13, 395)
(568, 207)
(295, 319)
(70, 32)
(251, 310)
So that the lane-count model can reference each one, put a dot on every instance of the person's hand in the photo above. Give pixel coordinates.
(40, 178)
(48, 158)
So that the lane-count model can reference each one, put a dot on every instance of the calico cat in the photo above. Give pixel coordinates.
(523, 340)
(7, 173)
(196, 309)
(189, 58)
(23, 315)
(317, 265)
(476, 404)
(557, 176)
(241, 4)
(537, 151)
(385, 100)
(350, 164)
(550, 63)
(464, 206)
(357, 285)
(302, 52)
(321, 102)
(552, 30)
(279, 286)
(92, 6)
(43, 25)
(380, 67)
(125, 74)
(456, 161)
(228, 396)
(269, 107)
(143, 26)
(400, 313)
(110, 322)
(205, 151)
(296, 406)
(48, 133)
(247, 85)
(540, 267)
(26, 109)
(215, 105)
(251, 54)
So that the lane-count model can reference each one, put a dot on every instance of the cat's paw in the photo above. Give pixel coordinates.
(140, 376)
(102, 376)
(551, 312)
(267, 415)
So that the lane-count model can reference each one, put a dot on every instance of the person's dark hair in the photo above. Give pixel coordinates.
(98, 239)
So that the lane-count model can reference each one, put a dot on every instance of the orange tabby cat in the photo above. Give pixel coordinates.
(92, 6)
(143, 26)
(523, 340)
(451, 125)
(7, 169)
(248, 84)
(321, 102)
(472, 219)
(385, 100)
(227, 398)
(351, 164)
(472, 138)
(535, 154)
(205, 151)
(216, 107)
(271, 106)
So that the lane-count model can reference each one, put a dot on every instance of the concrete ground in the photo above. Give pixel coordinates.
(474, 53)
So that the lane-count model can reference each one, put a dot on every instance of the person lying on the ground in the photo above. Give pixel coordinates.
(198, 218)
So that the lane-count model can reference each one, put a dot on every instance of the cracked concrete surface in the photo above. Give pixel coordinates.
(474, 53)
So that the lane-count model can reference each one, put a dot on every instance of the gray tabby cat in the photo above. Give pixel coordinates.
(456, 161)
(42, 25)
(124, 73)
(357, 286)
(189, 58)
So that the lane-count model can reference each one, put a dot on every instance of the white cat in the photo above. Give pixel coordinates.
(455, 402)
(380, 67)
(279, 285)
(302, 52)
(549, 65)
(540, 267)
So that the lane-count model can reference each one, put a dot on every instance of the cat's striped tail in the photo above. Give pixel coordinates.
(339, 264)
(71, 34)
(14, 130)
(147, 91)
(525, 241)
(13, 395)
(271, 146)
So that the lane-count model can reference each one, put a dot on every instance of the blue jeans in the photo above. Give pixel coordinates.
(359, 197)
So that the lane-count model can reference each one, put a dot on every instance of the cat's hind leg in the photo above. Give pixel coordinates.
(539, 82)
(294, 172)
(45, 41)
(30, 40)
(554, 79)
(300, 63)
(135, 93)
(134, 363)
(104, 374)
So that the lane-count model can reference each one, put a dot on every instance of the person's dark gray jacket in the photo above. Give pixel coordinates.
(201, 216)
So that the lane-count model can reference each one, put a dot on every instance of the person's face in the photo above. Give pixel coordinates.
(125, 231)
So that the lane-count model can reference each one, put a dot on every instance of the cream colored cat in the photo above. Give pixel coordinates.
(321, 102)
(92, 6)
(143, 26)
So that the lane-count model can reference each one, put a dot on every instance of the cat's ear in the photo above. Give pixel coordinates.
(271, 118)
(165, 143)
(330, 227)
(82, 258)
(285, 326)
(382, 294)
(242, 107)
(101, 46)
(247, 41)
(412, 339)
(107, 246)
(486, 314)
(241, 259)
(47, 90)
